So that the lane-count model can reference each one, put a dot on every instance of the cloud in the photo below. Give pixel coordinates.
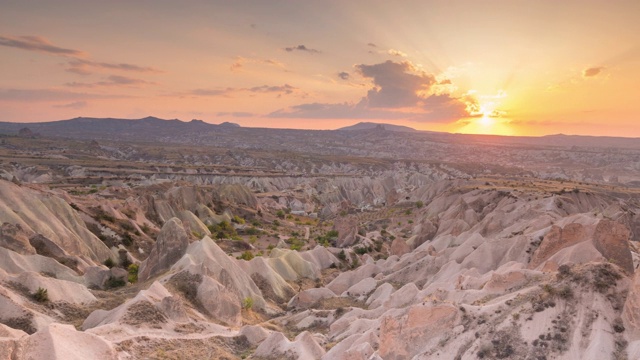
(343, 75)
(83, 67)
(113, 80)
(372, 45)
(280, 90)
(399, 91)
(73, 105)
(39, 44)
(397, 84)
(592, 71)
(240, 62)
(301, 48)
(395, 52)
(240, 114)
(79, 63)
(35, 95)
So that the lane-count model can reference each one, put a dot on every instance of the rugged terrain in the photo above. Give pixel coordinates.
(317, 247)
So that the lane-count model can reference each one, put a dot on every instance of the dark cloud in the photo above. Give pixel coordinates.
(73, 105)
(302, 48)
(400, 91)
(35, 95)
(36, 43)
(592, 71)
(397, 84)
(280, 90)
(343, 75)
(240, 114)
(114, 80)
(372, 45)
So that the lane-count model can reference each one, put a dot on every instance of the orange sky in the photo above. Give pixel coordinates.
(500, 67)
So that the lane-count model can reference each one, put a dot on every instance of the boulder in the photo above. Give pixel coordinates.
(399, 247)
(611, 238)
(170, 246)
(557, 239)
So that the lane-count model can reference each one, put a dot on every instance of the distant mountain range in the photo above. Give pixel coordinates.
(155, 129)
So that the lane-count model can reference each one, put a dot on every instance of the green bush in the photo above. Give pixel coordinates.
(247, 303)
(41, 295)
(113, 282)
(247, 255)
(280, 214)
(133, 273)
(109, 263)
(419, 204)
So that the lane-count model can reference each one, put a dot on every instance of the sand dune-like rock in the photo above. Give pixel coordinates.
(205, 258)
(304, 346)
(193, 225)
(320, 257)
(271, 284)
(52, 217)
(631, 313)
(59, 341)
(306, 298)
(171, 244)
(14, 263)
(290, 265)
(153, 308)
(57, 290)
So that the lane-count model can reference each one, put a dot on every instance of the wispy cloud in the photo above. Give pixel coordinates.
(240, 63)
(279, 90)
(114, 80)
(343, 75)
(39, 44)
(302, 48)
(83, 67)
(79, 61)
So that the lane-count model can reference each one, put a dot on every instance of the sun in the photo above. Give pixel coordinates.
(486, 120)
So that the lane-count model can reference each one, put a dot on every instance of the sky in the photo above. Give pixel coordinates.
(510, 67)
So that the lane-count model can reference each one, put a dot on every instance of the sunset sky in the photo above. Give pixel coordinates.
(501, 67)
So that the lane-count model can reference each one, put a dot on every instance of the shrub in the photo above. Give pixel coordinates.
(419, 204)
(41, 295)
(342, 255)
(247, 303)
(247, 255)
(238, 220)
(280, 214)
(109, 263)
(113, 282)
(133, 273)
